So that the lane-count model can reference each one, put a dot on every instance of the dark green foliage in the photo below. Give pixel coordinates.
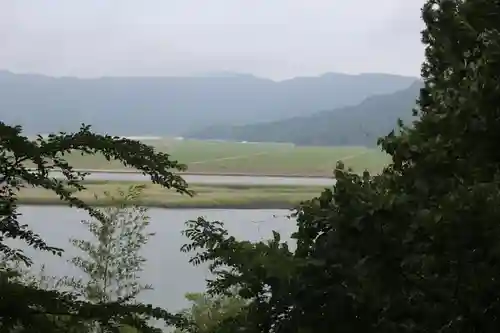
(358, 125)
(415, 249)
(261, 272)
(25, 307)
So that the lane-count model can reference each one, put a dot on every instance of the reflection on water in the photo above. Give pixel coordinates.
(167, 268)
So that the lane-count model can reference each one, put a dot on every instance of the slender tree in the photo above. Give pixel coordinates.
(112, 261)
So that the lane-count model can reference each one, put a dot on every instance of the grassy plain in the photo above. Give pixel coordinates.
(218, 157)
(206, 196)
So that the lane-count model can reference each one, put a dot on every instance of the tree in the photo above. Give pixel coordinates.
(414, 249)
(212, 313)
(27, 307)
(112, 262)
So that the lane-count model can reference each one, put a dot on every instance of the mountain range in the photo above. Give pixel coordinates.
(360, 124)
(186, 106)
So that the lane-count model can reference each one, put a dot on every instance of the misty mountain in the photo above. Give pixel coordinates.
(174, 105)
(361, 124)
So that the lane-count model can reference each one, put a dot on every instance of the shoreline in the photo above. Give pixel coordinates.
(237, 186)
(248, 205)
(205, 196)
(220, 174)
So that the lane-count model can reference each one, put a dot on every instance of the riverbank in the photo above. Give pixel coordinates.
(211, 180)
(173, 205)
(209, 196)
(201, 173)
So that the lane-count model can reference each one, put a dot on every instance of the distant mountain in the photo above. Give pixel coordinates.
(225, 74)
(174, 105)
(362, 124)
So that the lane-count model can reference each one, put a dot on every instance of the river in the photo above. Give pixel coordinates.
(215, 179)
(167, 269)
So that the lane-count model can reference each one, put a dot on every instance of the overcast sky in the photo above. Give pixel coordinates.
(269, 38)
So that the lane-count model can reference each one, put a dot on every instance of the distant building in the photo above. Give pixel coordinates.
(142, 138)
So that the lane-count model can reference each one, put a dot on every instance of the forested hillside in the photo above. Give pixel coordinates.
(353, 125)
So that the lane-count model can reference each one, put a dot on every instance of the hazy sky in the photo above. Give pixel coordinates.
(269, 38)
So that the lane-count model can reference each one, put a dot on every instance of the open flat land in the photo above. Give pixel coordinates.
(219, 157)
(206, 196)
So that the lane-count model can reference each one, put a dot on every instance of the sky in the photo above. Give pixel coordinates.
(276, 39)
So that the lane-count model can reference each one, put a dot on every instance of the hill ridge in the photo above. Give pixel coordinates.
(171, 106)
(360, 124)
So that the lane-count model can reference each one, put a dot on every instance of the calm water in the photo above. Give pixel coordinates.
(167, 268)
(211, 179)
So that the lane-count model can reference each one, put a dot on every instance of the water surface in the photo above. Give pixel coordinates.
(215, 179)
(167, 268)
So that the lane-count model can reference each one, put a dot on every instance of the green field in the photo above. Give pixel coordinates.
(218, 157)
(206, 196)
